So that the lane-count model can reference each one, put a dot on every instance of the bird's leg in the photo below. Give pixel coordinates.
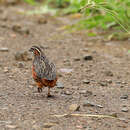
(49, 95)
(39, 90)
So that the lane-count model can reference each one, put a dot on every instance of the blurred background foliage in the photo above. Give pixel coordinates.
(108, 15)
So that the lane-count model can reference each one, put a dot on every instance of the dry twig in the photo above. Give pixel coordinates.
(85, 115)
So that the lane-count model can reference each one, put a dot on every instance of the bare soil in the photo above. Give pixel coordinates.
(103, 79)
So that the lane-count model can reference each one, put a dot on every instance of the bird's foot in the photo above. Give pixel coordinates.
(39, 90)
(50, 96)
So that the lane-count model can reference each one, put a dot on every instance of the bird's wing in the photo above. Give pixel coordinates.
(40, 68)
(52, 72)
(46, 69)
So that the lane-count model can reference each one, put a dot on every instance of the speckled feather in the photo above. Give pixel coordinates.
(44, 68)
(43, 71)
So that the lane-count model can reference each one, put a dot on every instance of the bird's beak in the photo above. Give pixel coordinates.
(31, 50)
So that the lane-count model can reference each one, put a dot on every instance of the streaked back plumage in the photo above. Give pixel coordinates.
(43, 67)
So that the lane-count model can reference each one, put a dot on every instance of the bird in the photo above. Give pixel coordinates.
(43, 70)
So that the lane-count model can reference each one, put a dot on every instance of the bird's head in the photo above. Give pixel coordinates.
(36, 50)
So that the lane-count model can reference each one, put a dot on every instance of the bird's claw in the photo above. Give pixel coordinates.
(39, 90)
(50, 96)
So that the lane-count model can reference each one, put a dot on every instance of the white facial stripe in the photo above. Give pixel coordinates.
(37, 50)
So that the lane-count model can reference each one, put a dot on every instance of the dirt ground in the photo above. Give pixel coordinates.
(99, 81)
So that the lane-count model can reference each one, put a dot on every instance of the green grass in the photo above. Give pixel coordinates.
(104, 14)
(32, 2)
(113, 13)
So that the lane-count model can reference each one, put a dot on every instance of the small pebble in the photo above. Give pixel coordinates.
(79, 127)
(113, 114)
(109, 81)
(85, 93)
(11, 2)
(60, 85)
(30, 86)
(76, 59)
(124, 109)
(88, 128)
(16, 27)
(85, 49)
(123, 119)
(88, 93)
(88, 104)
(82, 91)
(103, 83)
(48, 125)
(11, 126)
(22, 56)
(4, 49)
(74, 107)
(118, 82)
(91, 104)
(64, 70)
(68, 92)
(19, 29)
(6, 69)
(86, 81)
(88, 57)
(59, 74)
(11, 76)
(108, 73)
(36, 127)
(20, 65)
(42, 21)
(124, 96)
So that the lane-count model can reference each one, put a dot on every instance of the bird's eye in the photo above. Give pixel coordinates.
(36, 52)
